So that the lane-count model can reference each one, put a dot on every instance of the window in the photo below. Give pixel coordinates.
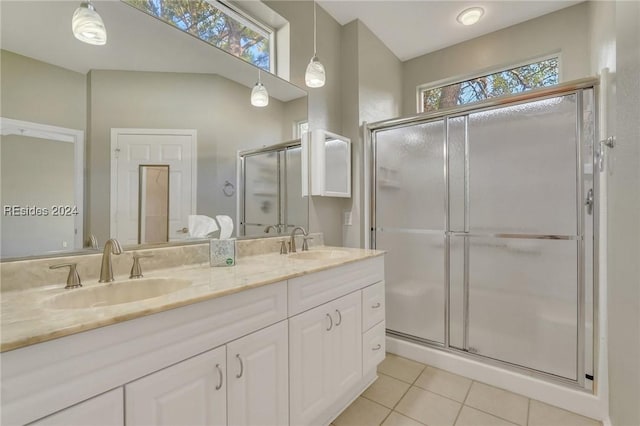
(515, 80)
(218, 24)
(300, 128)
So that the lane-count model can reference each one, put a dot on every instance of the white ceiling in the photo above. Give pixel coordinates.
(414, 28)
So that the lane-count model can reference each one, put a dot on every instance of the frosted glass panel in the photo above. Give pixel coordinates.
(410, 186)
(336, 165)
(261, 183)
(522, 168)
(523, 304)
(457, 135)
(414, 281)
(297, 206)
(456, 292)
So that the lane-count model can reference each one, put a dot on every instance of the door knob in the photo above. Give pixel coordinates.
(184, 230)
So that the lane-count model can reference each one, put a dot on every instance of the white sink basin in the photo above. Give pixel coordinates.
(117, 293)
(319, 254)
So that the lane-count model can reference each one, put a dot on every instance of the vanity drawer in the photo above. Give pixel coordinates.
(373, 347)
(372, 305)
(313, 290)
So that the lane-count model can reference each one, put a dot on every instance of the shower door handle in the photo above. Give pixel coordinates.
(589, 201)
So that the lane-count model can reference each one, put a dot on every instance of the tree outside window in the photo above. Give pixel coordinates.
(516, 80)
(210, 23)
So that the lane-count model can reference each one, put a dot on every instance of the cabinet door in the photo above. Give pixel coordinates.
(310, 358)
(346, 366)
(191, 392)
(103, 410)
(259, 378)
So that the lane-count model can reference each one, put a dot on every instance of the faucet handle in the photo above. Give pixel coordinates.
(73, 279)
(305, 245)
(136, 269)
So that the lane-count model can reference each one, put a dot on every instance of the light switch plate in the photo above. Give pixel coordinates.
(348, 218)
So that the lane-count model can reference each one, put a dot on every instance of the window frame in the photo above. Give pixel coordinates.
(420, 89)
(237, 14)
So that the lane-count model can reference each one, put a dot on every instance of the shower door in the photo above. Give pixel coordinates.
(410, 219)
(483, 217)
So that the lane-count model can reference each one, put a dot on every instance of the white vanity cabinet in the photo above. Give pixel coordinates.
(192, 392)
(325, 353)
(102, 410)
(295, 352)
(258, 384)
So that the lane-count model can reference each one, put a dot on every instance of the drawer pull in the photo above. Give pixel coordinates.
(220, 377)
(377, 348)
(376, 306)
(330, 323)
(339, 318)
(241, 366)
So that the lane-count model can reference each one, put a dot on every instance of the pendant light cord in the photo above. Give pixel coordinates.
(315, 31)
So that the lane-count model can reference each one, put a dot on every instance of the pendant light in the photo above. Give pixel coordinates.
(259, 94)
(315, 75)
(87, 25)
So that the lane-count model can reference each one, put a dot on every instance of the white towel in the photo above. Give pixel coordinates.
(201, 226)
(226, 226)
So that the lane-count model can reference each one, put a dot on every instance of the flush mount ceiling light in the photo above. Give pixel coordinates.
(259, 94)
(470, 16)
(87, 25)
(315, 75)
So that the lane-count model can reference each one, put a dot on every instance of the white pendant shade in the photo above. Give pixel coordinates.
(259, 95)
(87, 25)
(315, 75)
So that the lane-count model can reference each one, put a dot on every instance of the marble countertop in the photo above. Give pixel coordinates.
(27, 316)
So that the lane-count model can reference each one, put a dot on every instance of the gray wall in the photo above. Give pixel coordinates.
(624, 225)
(42, 93)
(565, 30)
(40, 173)
(217, 108)
(325, 108)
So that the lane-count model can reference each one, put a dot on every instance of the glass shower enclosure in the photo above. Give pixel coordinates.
(487, 215)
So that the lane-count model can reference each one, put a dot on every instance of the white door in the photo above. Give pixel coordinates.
(133, 147)
(258, 388)
(103, 410)
(192, 392)
(347, 342)
(310, 358)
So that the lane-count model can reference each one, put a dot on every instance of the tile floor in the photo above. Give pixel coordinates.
(408, 393)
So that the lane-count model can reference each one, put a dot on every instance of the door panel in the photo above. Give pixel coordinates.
(523, 302)
(260, 395)
(522, 168)
(187, 393)
(414, 281)
(347, 341)
(410, 186)
(310, 357)
(152, 147)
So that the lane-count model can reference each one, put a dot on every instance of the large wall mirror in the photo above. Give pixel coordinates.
(152, 96)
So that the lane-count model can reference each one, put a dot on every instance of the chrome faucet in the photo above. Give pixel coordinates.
(292, 241)
(106, 271)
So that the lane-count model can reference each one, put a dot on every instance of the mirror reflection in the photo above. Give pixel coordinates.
(152, 95)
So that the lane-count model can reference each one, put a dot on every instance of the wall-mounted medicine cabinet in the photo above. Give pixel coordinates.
(326, 164)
